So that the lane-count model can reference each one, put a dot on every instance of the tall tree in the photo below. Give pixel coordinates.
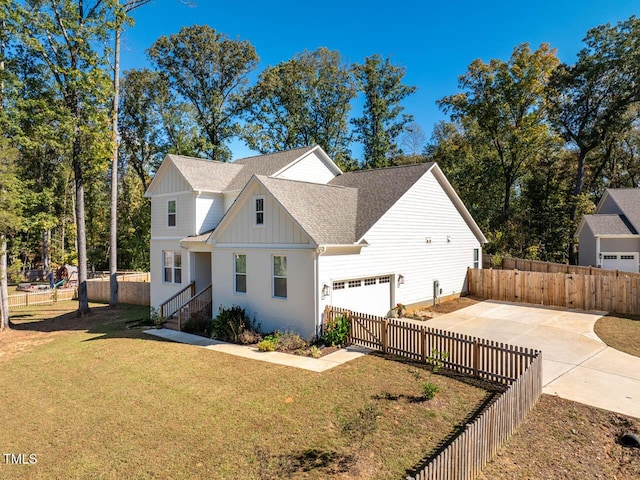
(382, 121)
(591, 98)
(68, 38)
(300, 102)
(121, 18)
(506, 101)
(210, 71)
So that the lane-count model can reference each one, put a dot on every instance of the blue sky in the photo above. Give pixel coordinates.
(434, 40)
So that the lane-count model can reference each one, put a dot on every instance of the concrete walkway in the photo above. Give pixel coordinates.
(577, 365)
(297, 361)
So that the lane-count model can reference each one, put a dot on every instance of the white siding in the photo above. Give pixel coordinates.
(209, 211)
(229, 198)
(160, 291)
(398, 245)
(293, 313)
(185, 216)
(171, 181)
(278, 228)
(309, 169)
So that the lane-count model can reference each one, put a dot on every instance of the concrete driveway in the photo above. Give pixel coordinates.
(577, 365)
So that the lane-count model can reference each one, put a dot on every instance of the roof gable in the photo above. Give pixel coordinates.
(378, 190)
(627, 201)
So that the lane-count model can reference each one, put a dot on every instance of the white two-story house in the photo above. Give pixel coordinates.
(285, 234)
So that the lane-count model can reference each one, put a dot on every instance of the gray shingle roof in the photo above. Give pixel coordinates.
(205, 175)
(327, 213)
(609, 224)
(628, 199)
(379, 190)
(264, 165)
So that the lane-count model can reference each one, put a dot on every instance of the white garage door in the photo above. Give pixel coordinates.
(626, 262)
(370, 295)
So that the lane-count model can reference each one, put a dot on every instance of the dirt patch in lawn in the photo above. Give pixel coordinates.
(566, 440)
(621, 332)
(444, 308)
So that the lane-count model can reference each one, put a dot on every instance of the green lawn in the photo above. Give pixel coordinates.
(94, 400)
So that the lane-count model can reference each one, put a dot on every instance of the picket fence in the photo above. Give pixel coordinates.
(518, 368)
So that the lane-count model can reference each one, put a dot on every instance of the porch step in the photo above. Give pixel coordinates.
(172, 323)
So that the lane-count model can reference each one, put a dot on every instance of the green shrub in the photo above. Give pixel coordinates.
(269, 344)
(336, 333)
(231, 323)
(437, 358)
(198, 324)
(315, 352)
(429, 390)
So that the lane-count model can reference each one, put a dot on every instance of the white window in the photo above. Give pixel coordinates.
(355, 283)
(172, 266)
(369, 281)
(280, 276)
(240, 273)
(338, 285)
(171, 213)
(384, 280)
(258, 210)
(476, 258)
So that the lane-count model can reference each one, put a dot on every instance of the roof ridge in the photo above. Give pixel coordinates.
(175, 155)
(307, 182)
(272, 153)
(391, 167)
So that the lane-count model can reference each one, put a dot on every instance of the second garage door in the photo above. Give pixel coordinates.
(370, 295)
(626, 262)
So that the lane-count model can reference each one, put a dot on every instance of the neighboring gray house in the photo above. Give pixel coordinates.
(609, 238)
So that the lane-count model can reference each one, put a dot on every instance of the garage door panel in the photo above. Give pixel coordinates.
(626, 262)
(370, 295)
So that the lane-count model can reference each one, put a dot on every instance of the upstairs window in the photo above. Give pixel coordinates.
(172, 266)
(240, 273)
(280, 276)
(258, 209)
(171, 213)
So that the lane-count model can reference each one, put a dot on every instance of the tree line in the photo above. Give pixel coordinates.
(530, 144)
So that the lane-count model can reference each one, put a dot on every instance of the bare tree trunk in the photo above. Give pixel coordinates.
(4, 293)
(83, 300)
(113, 253)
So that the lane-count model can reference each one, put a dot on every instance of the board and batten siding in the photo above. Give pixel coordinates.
(171, 181)
(278, 228)
(398, 245)
(161, 291)
(309, 169)
(209, 211)
(185, 216)
(293, 313)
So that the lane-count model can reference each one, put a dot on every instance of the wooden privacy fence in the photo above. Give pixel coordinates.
(44, 297)
(508, 263)
(619, 294)
(517, 367)
(136, 293)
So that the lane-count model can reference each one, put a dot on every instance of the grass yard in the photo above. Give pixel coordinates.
(92, 399)
(620, 332)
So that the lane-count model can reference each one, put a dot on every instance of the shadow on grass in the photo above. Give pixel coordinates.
(492, 389)
(292, 465)
(116, 322)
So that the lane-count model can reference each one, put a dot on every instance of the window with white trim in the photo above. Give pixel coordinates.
(171, 213)
(172, 266)
(355, 283)
(240, 273)
(611, 257)
(280, 276)
(258, 210)
(476, 258)
(384, 280)
(369, 281)
(338, 285)
(627, 257)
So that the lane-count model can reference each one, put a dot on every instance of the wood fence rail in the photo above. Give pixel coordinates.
(44, 297)
(617, 294)
(524, 265)
(517, 367)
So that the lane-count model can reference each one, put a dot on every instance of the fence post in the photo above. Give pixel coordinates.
(423, 344)
(476, 357)
(385, 333)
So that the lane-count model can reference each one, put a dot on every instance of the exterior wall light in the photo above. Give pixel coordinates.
(325, 291)
(400, 280)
